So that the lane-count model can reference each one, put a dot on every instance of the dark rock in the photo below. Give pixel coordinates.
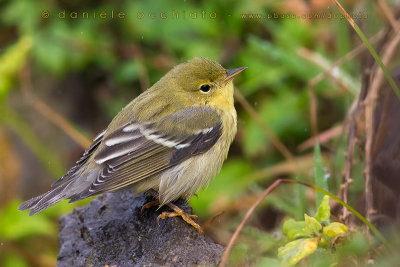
(111, 230)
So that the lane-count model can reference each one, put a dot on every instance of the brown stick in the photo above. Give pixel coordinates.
(389, 15)
(322, 138)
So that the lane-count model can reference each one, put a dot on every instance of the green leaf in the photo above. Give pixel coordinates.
(312, 225)
(297, 250)
(334, 229)
(294, 229)
(324, 210)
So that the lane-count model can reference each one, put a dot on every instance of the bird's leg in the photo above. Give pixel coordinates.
(150, 204)
(177, 211)
(180, 212)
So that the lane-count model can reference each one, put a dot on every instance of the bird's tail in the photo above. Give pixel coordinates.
(46, 200)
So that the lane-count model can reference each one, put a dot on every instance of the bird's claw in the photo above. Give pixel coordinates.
(149, 205)
(179, 212)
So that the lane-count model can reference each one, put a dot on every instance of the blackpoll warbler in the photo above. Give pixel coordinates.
(171, 140)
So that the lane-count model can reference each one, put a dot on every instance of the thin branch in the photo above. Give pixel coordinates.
(322, 138)
(389, 15)
(298, 165)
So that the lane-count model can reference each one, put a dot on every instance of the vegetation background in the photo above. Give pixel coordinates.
(63, 77)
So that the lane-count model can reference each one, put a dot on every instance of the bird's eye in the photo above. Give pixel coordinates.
(205, 88)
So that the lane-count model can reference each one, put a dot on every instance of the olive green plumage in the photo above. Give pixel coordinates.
(172, 138)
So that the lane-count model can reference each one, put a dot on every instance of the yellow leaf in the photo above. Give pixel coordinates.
(334, 229)
(297, 250)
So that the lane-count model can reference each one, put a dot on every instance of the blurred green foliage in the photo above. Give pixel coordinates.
(11, 61)
(96, 66)
(15, 226)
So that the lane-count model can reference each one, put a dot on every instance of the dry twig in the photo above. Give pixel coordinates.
(389, 15)
(322, 138)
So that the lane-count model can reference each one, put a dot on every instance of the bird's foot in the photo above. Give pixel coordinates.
(181, 213)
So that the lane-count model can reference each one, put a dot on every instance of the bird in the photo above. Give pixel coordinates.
(170, 141)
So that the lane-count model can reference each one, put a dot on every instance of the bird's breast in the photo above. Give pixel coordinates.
(195, 173)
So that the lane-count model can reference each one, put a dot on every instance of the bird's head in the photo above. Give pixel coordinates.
(201, 81)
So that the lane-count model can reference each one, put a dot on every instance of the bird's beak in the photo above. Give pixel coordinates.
(230, 74)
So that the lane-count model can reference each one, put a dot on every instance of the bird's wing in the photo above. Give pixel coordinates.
(137, 150)
(88, 153)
